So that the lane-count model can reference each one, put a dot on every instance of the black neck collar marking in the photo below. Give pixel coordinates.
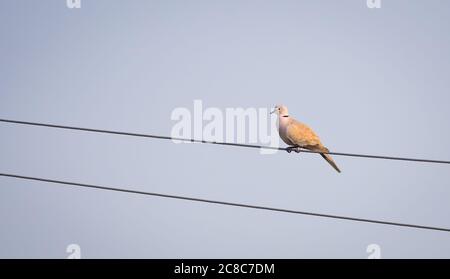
(285, 115)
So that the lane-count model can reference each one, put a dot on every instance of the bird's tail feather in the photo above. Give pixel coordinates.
(330, 161)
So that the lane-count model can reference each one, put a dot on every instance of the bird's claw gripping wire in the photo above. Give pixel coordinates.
(297, 149)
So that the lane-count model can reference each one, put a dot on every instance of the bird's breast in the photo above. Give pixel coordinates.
(282, 130)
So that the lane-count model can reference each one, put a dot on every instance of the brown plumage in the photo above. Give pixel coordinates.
(295, 133)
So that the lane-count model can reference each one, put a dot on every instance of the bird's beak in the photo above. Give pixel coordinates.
(273, 111)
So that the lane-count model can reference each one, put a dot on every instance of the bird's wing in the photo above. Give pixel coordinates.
(302, 135)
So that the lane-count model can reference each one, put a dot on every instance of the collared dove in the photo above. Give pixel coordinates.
(298, 135)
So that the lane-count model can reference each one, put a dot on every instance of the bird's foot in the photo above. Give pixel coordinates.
(293, 148)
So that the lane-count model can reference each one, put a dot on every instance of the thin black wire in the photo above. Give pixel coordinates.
(218, 143)
(225, 203)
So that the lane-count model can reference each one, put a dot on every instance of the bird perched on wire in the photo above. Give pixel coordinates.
(298, 135)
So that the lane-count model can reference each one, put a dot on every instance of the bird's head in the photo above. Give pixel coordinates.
(280, 110)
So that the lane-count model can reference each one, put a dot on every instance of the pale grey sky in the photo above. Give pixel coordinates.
(367, 80)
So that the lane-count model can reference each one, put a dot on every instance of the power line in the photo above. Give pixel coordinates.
(242, 205)
(218, 143)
